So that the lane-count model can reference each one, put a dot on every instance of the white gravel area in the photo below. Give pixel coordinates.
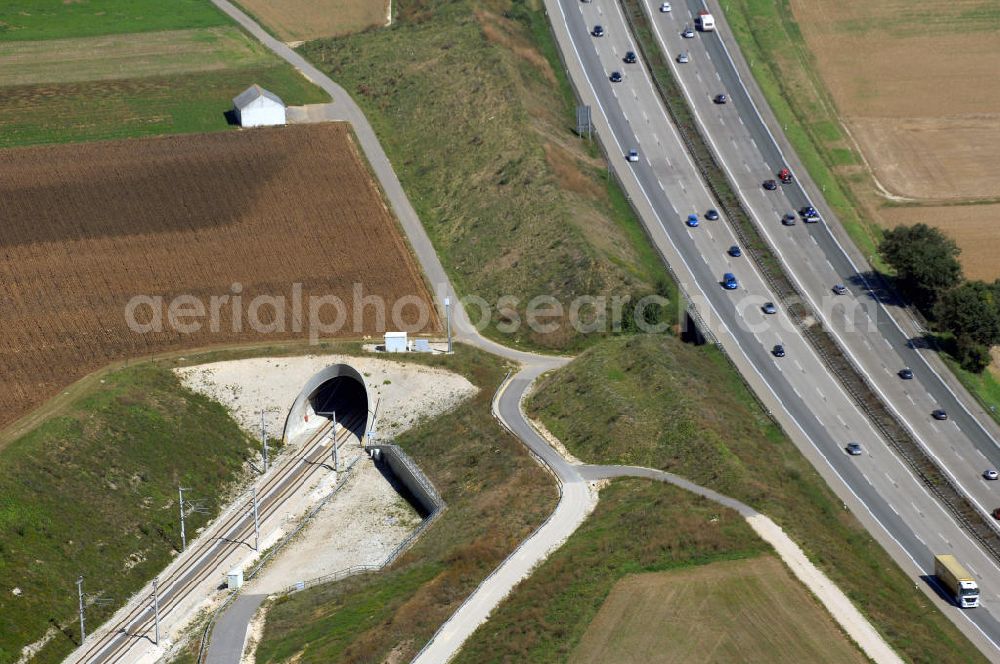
(406, 391)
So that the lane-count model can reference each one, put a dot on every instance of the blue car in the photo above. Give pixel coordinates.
(692, 220)
(735, 252)
(729, 281)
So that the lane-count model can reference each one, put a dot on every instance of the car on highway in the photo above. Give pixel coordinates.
(990, 474)
(788, 220)
(939, 415)
(770, 185)
(996, 513)
(809, 214)
(906, 373)
(769, 308)
(840, 289)
(688, 32)
(616, 77)
(633, 155)
(785, 176)
(720, 98)
(778, 350)
(729, 281)
(734, 251)
(692, 220)
(598, 31)
(665, 7)
(684, 58)
(712, 214)
(630, 58)
(854, 449)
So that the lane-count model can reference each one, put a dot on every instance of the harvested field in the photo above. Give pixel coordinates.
(223, 218)
(915, 84)
(742, 610)
(302, 20)
(165, 53)
(976, 229)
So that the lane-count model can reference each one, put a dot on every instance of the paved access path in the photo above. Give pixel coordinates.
(577, 499)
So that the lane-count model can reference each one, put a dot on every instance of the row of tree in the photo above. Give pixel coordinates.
(929, 274)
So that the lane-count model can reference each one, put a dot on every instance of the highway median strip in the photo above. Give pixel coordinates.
(910, 450)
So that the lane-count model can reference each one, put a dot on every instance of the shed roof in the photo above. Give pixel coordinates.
(253, 93)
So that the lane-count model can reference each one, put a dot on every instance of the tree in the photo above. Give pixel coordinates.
(971, 312)
(925, 260)
(972, 356)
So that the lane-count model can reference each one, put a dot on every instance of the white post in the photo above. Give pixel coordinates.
(79, 592)
(180, 492)
(447, 319)
(263, 438)
(156, 611)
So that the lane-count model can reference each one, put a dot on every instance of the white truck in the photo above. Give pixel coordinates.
(957, 581)
(705, 21)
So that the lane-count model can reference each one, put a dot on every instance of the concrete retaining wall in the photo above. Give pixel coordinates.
(410, 475)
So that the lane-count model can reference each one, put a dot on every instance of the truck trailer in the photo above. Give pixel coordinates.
(957, 581)
(705, 21)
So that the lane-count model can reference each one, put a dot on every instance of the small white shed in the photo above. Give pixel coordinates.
(257, 107)
(395, 342)
(234, 580)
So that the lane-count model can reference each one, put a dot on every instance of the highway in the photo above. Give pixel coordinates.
(665, 187)
(816, 259)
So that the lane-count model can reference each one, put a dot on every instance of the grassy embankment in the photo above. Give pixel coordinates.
(138, 69)
(784, 69)
(601, 596)
(93, 491)
(496, 496)
(473, 108)
(656, 402)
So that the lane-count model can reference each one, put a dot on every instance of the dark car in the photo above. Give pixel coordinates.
(598, 31)
(788, 220)
(939, 414)
(630, 58)
(712, 215)
(729, 281)
(854, 449)
(769, 308)
(692, 220)
(906, 374)
(720, 99)
(778, 350)
(735, 252)
(770, 185)
(996, 513)
(616, 77)
(840, 289)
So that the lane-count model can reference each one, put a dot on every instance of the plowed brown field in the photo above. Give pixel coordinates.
(85, 228)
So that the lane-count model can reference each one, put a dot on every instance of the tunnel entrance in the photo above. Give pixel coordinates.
(338, 391)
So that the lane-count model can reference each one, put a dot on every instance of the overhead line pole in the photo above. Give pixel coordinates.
(79, 592)
(256, 521)
(156, 611)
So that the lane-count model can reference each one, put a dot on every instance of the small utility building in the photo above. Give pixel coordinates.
(256, 107)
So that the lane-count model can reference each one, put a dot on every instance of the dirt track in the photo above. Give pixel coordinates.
(87, 227)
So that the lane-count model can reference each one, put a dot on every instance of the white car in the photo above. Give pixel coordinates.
(684, 58)
(633, 155)
(990, 474)
(665, 7)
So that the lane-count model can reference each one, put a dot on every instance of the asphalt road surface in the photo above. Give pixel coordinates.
(665, 188)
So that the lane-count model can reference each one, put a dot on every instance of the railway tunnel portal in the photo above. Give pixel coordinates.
(337, 392)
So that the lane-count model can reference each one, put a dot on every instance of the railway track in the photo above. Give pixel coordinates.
(234, 531)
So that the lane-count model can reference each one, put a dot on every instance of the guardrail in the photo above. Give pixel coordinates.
(829, 351)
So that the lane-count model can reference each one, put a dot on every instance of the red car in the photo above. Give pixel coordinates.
(996, 513)
(785, 176)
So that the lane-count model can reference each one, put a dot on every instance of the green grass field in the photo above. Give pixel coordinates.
(92, 491)
(638, 526)
(472, 107)
(657, 402)
(734, 611)
(73, 74)
(135, 107)
(23, 20)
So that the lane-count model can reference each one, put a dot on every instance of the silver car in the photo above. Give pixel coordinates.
(684, 58)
